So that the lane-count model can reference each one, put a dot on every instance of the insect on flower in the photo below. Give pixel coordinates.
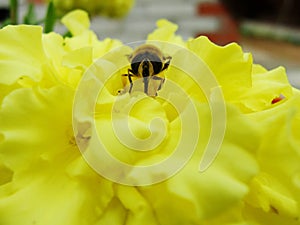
(147, 62)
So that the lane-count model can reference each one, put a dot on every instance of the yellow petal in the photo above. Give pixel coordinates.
(266, 87)
(258, 69)
(272, 197)
(115, 213)
(76, 21)
(6, 174)
(53, 44)
(21, 53)
(6, 89)
(104, 46)
(43, 166)
(80, 58)
(190, 195)
(139, 208)
(230, 66)
(139, 118)
(35, 124)
(44, 194)
(165, 32)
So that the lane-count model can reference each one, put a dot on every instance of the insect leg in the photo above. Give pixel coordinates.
(129, 75)
(167, 62)
(162, 80)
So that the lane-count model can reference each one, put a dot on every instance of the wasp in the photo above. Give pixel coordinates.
(146, 62)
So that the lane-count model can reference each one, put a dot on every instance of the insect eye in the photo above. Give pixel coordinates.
(135, 67)
(157, 66)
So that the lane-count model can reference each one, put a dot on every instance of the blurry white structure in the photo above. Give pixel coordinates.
(142, 20)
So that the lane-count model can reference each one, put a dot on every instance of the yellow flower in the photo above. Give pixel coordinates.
(49, 85)
(110, 8)
(274, 195)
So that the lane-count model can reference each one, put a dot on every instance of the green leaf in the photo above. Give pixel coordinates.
(5, 23)
(67, 34)
(30, 17)
(50, 18)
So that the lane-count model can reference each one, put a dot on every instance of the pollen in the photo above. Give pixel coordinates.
(278, 99)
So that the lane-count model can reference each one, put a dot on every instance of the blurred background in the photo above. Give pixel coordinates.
(269, 29)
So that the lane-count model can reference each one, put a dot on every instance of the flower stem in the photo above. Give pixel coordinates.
(14, 11)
